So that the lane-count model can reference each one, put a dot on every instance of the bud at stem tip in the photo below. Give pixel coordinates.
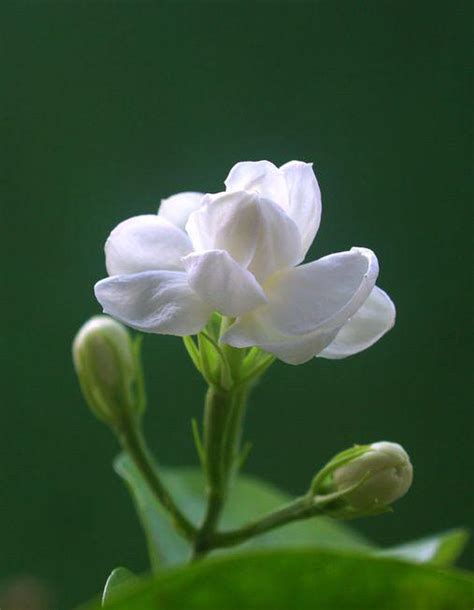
(107, 368)
(388, 475)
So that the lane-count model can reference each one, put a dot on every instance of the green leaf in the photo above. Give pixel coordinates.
(118, 582)
(304, 580)
(441, 549)
(249, 499)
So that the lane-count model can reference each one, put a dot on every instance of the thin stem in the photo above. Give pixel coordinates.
(301, 508)
(133, 442)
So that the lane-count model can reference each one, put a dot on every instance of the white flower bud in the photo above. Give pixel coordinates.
(385, 470)
(106, 366)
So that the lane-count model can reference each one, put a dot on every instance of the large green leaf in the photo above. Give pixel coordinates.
(304, 579)
(249, 499)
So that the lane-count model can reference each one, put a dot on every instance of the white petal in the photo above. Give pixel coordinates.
(223, 283)
(319, 295)
(226, 222)
(278, 242)
(154, 301)
(368, 325)
(297, 350)
(254, 231)
(261, 177)
(177, 208)
(292, 350)
(304, 199)
(145, 243)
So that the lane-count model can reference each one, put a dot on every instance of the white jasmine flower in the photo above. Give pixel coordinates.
(239, 253)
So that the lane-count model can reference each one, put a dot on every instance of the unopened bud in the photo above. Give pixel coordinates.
(385, 473)
(107, 368)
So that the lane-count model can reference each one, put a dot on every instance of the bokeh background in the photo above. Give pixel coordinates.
(108, 107)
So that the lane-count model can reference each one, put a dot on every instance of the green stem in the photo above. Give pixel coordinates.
(233, 432)
(133, 442)
(216, 412)
(301, 508)
(223, 414)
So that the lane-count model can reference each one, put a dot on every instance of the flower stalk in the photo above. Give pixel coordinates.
(131, 438)
(301, 508)
(110, 373)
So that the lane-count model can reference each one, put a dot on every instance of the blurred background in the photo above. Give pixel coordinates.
(109, 106)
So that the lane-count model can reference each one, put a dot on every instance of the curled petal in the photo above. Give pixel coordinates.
(154, 302)
(254, 231)
(178, 208)
(307, 306)
(368, 325)
(261, 177)
(145, 243)
(293, 187)
(226, 222)
(278, 242)
(304, 199)
(220, 281)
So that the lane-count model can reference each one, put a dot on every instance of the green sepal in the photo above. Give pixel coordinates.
(336, 462)
(222, 365)
(215, 366)
(193, 352)
(255, 365)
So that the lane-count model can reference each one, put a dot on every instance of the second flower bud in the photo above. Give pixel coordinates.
(108, 369)
(365, 479)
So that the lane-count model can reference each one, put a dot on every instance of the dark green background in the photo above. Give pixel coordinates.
(106, 108)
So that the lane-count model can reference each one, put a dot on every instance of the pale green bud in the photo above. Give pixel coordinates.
(384, 472)
(108, 369)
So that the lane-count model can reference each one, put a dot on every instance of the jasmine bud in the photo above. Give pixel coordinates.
(108, 369)
(385, 474)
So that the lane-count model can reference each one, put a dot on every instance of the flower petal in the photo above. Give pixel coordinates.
(297, 350)
(323, 294)
(154, 301)
(254, 231)
(261, 177)
(293, 187)
(226, 222)
(220, 281)
(292, 350)
(368, 325)
(177, 208)
(145, 243)
(304, 199)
